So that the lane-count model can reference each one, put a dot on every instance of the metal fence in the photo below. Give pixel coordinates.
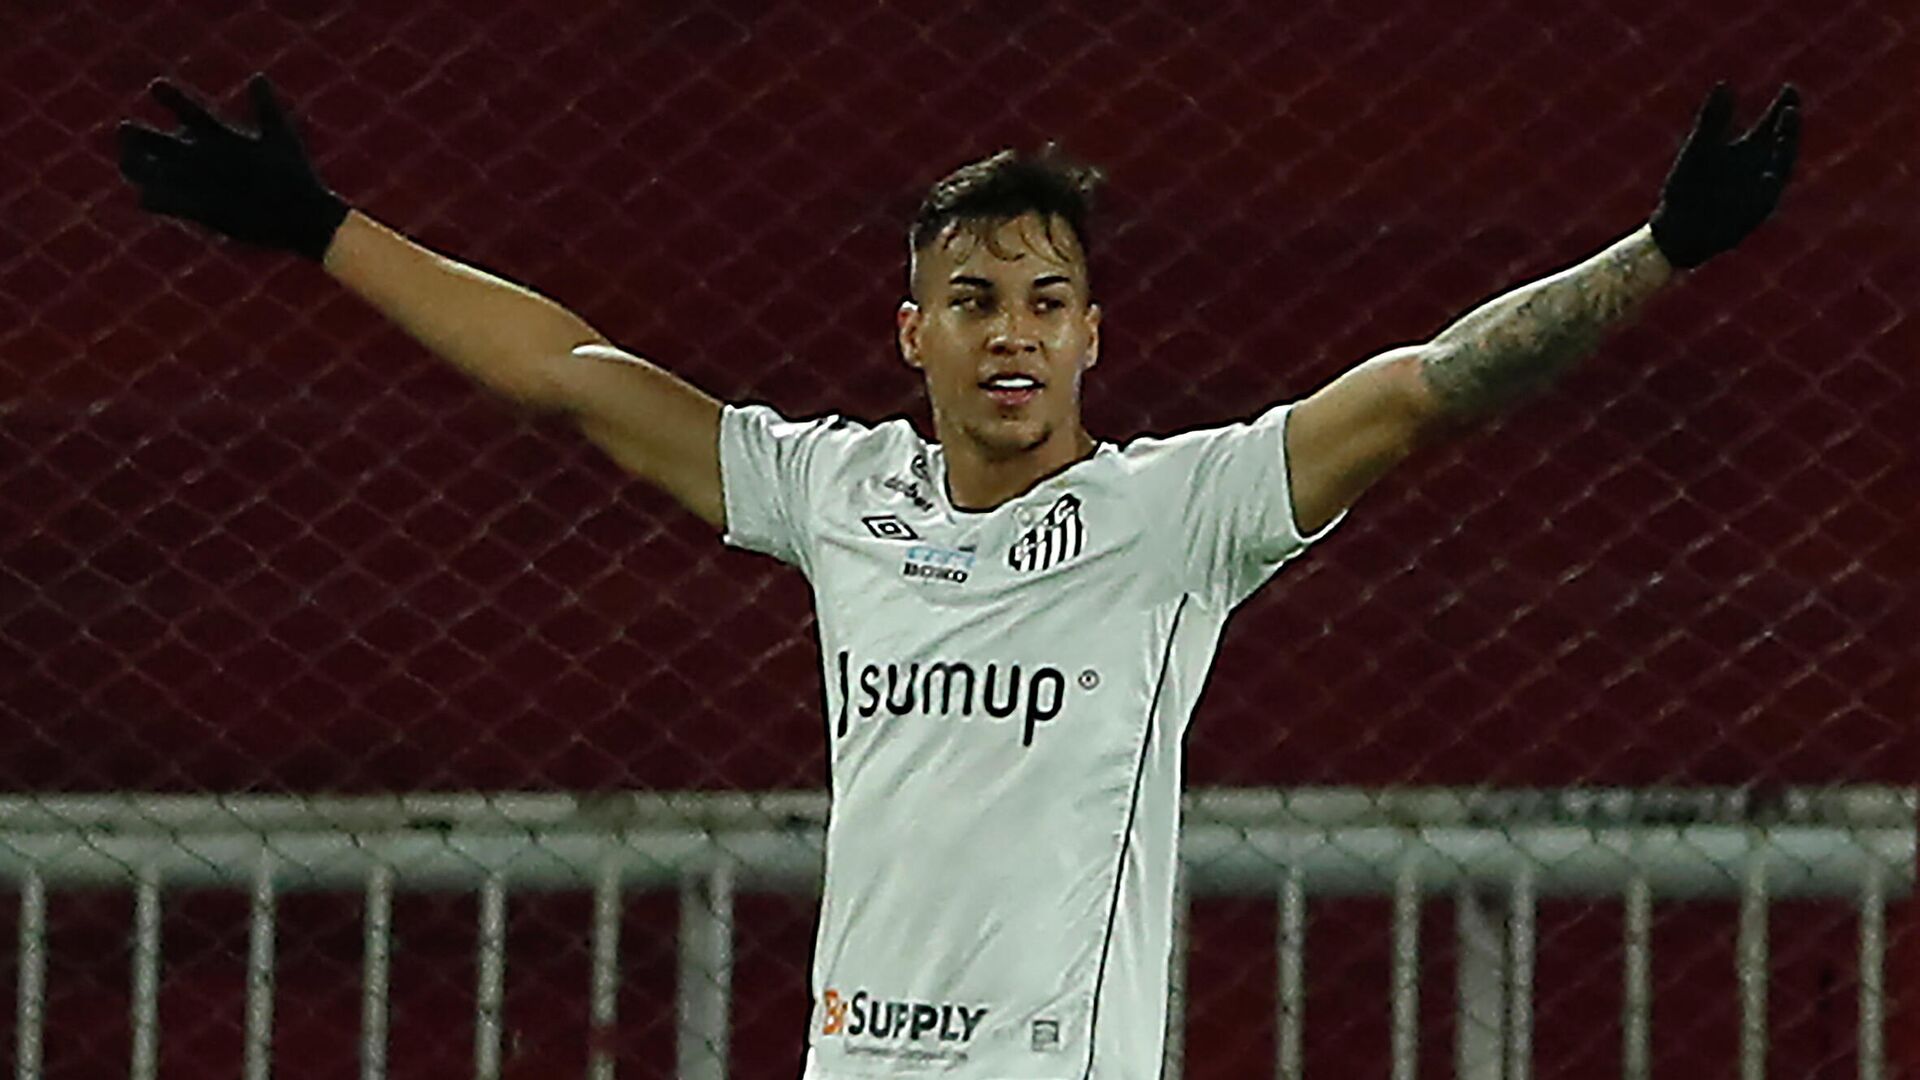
(1496, 852)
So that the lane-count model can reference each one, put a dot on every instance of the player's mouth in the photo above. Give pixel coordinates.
(1012, 391)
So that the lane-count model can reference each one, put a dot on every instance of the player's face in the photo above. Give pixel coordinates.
(1002, 327)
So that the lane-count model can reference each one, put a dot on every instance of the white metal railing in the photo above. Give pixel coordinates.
(1496, 852)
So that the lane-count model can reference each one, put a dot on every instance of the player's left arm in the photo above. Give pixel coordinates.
(1351, 432)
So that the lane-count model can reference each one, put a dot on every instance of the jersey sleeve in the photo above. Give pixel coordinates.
(1237, 527)
(770, 476)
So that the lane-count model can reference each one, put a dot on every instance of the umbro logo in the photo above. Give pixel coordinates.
(1054, 539)
(888, 527)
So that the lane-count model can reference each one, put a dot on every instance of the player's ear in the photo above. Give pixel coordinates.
(1093, 335)
(907, 320)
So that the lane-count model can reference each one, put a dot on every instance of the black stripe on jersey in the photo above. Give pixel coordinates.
(1126, 841)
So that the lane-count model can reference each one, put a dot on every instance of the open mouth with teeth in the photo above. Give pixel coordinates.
(1011, 391)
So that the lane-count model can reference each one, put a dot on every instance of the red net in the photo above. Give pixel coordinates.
(253, 539)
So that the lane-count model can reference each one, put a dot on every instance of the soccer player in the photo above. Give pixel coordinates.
(1015, 617)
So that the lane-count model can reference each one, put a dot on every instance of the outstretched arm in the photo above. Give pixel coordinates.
(1521, 341)
(261, 189)
(1352, 431)
(541, 356)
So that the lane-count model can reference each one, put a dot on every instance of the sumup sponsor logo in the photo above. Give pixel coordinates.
(951, 689)
(914, 1021)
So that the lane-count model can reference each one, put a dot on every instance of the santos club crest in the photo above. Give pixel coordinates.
(1053, 539)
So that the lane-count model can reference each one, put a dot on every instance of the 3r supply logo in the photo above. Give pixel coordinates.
(866, 1016)
(835, 1008)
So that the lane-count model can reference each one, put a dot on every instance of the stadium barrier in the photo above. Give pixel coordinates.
(1496, 852)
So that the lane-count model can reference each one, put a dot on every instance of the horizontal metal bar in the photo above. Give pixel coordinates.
(1691, 861)
(420, 860)
(1862, 806)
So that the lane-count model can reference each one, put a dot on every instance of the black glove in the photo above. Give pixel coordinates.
(259, 189)
(1720, 191)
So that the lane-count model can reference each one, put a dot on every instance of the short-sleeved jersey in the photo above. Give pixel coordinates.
(1006, 695)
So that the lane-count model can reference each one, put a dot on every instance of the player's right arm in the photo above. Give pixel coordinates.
(260, 189)
(538, 354)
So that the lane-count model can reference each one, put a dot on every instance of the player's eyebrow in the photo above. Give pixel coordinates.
(1041, 282)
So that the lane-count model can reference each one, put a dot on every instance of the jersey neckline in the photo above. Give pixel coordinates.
(937, 459)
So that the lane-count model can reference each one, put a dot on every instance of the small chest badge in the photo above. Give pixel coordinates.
(926, 562)
(1054, 539)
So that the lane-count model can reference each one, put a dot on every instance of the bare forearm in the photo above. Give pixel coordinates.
(1519, 342)
(502, 334)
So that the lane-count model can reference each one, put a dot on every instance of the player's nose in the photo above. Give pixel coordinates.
(1011, 345)
(1011, 336)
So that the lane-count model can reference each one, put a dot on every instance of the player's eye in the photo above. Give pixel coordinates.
(1049, 303)
(974, 302)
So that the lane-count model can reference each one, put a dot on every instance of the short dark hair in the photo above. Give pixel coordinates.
(1006, 186)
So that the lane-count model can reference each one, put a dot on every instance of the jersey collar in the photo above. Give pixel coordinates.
(937, 469)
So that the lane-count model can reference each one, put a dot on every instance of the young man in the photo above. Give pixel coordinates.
(1016, 618)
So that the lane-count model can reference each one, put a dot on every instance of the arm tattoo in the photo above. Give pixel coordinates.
(1522, 340)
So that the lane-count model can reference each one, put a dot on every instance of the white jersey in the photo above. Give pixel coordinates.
(1006, 694)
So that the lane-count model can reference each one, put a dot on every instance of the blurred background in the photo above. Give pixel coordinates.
(253, 540)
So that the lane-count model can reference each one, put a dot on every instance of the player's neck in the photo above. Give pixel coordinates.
(977, 480)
